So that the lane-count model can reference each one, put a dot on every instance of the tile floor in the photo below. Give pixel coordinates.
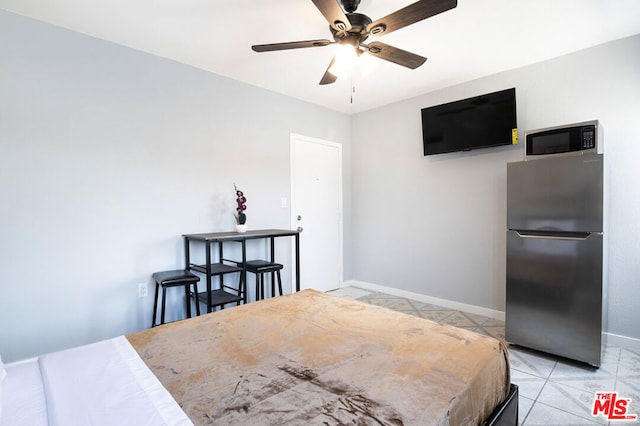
(553, 390)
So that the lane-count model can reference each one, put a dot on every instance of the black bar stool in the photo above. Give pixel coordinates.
(260, 268)
(180, 277)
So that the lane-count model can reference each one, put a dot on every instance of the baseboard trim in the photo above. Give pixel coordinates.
(623, 341)
(612, 339)
(478, 310)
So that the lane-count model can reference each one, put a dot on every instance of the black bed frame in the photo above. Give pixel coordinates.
(505, 414)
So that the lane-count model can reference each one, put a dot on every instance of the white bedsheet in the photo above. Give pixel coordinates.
(104, 383)
(23, 394)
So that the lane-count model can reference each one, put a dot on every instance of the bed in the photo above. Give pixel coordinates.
(306, 358)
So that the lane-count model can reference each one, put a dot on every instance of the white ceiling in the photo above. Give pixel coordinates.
(478, 38)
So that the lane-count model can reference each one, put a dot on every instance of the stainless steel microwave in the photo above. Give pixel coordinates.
(571, 139)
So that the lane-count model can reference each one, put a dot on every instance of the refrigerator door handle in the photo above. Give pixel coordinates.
(574, 236)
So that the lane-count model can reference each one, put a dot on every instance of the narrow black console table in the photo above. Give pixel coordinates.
(220, 237)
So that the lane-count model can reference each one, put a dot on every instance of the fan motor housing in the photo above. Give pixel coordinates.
(350, 5)
(358, 31)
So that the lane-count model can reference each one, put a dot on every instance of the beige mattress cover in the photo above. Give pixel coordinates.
(313, 358)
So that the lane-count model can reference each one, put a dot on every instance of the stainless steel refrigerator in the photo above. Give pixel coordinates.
(555, 256)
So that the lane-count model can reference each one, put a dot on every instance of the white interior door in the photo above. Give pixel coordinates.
(316, 207)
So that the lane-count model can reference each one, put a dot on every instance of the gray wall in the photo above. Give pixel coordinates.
(107, 156)
(436, 225)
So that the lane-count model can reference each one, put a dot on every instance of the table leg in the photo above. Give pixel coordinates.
(243, 273)
(187, 257)
(208, 255)
(273, 249)
(187, 266)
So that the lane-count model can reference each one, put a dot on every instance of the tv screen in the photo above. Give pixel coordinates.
(479, 122)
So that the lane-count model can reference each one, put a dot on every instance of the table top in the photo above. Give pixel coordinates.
(239, 236)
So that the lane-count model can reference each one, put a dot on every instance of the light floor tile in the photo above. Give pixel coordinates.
(437, 316)
(537, 364)
(588, 384)
(458, 319)
(529, 386)
(396, 304)
(378, 295)
(611, 355)
(479, 319)
(566, 369)
(492, 322)
(524, 406)
(629, 364)
(629, 387)
(350, 292)
(572, 400)
(497, 332)
(544, 415)
(421, 306)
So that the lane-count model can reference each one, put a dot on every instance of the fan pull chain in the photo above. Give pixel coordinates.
(353, 90)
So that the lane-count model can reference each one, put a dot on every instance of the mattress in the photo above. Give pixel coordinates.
(313, 358)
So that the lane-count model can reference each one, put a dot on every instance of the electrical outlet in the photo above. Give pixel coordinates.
(142, 290)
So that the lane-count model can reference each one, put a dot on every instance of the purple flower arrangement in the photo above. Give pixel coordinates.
(241, 217)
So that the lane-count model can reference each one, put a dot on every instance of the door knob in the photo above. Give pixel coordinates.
(299, 218)
(299, 228)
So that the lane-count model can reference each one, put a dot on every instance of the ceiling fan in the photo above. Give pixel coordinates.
(352, 29)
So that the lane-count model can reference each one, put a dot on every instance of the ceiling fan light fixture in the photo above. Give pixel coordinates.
(345, 59)
(366, 64)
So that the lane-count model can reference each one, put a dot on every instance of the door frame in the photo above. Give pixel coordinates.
(294, 138)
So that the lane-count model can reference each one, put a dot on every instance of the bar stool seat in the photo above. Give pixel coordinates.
(175, 278)
(260, 268)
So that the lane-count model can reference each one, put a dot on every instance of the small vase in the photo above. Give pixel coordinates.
(241, 228)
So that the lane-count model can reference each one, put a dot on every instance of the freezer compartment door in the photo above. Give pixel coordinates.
(556, 194)
(554, 294)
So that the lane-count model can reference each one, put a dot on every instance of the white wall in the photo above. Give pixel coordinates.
(107, 156)
(436, 225)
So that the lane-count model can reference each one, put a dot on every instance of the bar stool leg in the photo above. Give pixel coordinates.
(195, 292)
(187, 300)
(164, 300)
(257, 288)
(263, 285)
(273, 284)
(279, 282)
(242, 288)
(263, 291)
(155, 305)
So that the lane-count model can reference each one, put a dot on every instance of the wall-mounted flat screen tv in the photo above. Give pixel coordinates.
(479, 122)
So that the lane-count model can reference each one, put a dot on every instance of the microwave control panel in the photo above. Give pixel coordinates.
(588, 137)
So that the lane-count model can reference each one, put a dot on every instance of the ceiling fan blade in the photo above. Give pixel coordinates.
(333, 13)
(289, 45)
(328, 77)
(410, 15)
(395, 55)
